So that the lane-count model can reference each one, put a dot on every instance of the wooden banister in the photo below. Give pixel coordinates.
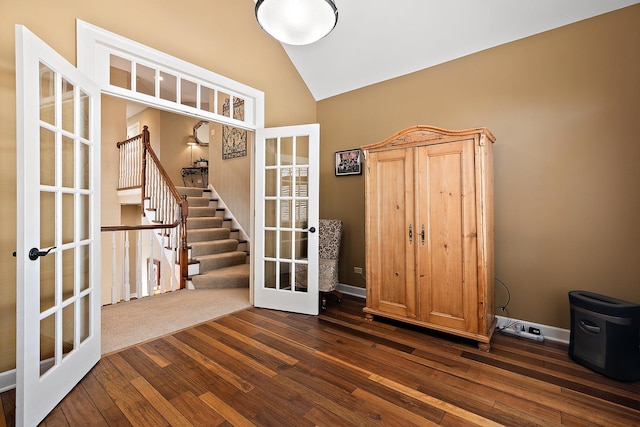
(152, 174)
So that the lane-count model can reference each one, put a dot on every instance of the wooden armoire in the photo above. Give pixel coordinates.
(429, 230)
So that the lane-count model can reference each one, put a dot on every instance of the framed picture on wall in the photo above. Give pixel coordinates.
(349, 162)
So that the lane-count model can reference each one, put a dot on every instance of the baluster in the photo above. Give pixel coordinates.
(126, 285)
(173, 239)
(113, 268)
(138, 264)
(127, 164)
(163, 279)
(150, 275)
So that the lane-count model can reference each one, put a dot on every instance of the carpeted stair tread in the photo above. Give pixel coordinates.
(191, 191)
(200, 211)
(213, 247)
(195, 202)
(205, 234)
(194, 223)
(236, 276)
(221, 260)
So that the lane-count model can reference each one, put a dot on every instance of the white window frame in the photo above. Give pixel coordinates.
(96, 45)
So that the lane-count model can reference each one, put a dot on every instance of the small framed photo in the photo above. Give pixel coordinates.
(349, 162)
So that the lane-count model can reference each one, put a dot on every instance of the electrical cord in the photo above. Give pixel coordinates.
(503, 307)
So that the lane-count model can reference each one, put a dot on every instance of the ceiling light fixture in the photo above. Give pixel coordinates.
(297, 22)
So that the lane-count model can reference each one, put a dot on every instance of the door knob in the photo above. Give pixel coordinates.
(310, 229)
(34, 253)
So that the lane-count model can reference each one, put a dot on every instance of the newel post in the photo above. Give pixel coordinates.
(184, 250)
(145, 144)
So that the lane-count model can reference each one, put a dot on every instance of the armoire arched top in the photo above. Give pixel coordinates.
(427, 135)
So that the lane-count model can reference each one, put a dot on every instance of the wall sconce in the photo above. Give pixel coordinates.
(297, 22)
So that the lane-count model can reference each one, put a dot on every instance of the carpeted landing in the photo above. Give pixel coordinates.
(128, 323)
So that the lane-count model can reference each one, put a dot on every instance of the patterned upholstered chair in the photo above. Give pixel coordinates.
(330, 236)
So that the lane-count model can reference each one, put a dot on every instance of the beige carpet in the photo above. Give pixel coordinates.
(128, 323)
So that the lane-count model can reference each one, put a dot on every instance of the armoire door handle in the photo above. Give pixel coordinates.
(410, 234)
(422, 234)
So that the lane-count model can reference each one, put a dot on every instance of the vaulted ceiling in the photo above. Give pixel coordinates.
(376, 40)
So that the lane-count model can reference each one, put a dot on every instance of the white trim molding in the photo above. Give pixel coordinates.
(7, 380)
(550, 333)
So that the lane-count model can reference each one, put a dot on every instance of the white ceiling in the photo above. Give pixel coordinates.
(376, 40)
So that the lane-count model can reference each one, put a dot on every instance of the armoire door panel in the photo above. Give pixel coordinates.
(446, 260)
(392, 215)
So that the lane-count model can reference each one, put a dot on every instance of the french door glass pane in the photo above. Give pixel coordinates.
(68, 273)
(270, 275)
(47, 157)
(270, 152)
(83, 326)
(47, 218)
(85, 111)
(286, 151)
(83, 166)
(67, 220)
(47, 343)
(47, 282)
(83, 263)
(68, 106)
(47, 92)
(68, 157)
(68, 328)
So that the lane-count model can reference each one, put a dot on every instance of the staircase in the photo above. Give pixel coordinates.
(214, 252)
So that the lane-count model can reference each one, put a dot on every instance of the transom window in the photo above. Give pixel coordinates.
(133, 71)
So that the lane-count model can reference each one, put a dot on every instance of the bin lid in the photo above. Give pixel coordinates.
(604, 304)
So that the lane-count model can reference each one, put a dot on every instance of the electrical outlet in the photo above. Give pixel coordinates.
(357, 270)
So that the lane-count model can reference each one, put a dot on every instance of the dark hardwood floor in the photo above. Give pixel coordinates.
(262, 367)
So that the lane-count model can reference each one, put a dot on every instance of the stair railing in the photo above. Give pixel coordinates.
(128, 262)
(141, 168)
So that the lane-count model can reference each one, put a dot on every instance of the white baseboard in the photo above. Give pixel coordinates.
(550, 333)
(354, 291)
(229, 215)
(7, 380)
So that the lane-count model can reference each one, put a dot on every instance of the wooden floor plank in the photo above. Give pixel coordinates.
(162, 405)
(196, 411)
(269, 368)
(225, 410)
(79, 409)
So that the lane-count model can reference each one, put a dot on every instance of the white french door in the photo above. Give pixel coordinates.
(285, 249)
(58, 227)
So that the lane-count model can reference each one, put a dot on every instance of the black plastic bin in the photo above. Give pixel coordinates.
(605, 335)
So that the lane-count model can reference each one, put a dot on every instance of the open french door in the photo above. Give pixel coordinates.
(285, 249)
(58, 227)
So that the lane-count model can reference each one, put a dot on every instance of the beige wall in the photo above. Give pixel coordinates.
(563, 106)
(193, 30)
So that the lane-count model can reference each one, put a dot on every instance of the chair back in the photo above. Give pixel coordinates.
(330, 235)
